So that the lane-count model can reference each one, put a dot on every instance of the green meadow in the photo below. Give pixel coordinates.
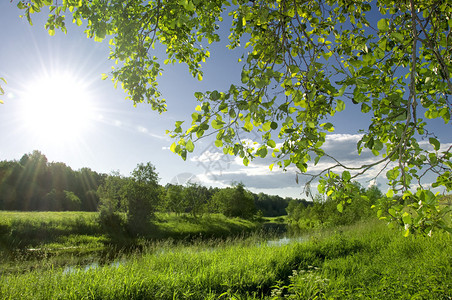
(225, 258)
(60, 230)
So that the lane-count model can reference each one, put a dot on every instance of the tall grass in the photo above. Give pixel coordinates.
(19, 230)
(210, 226)
(362, 261)
(28, 229)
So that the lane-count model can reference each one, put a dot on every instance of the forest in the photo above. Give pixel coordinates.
(35, 184)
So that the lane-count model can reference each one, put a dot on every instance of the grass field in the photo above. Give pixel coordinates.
(53, 230)
(364, 261)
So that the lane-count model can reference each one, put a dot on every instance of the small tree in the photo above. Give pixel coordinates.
(109, 218)
(142, 195)
(112, 191)
(174, 199)
(235, 201)
(111, 203)
(196, 197)
(71, 201)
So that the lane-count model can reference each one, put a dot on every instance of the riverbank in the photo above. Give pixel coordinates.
(52, 230)
(76, 238)
(366, 260)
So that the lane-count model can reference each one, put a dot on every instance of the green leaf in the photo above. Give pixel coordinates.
(406, 218)
(190, 6)
(266, 126)
(392, 212)
(340, 105)
(328, 126)
(378, 145)
(215, 95)
(245, 76)
(365, 108)
(173, 147)
(346, 176)
(271, 143)
(398, 36)
(259, 83)
(431, 113)
(341, 91)
(392, 175)
(436, 144)
(382, 43)
(379, 213)
(218, 143)
(216, 124)
(407, 232)
(190, 146)
(248, 126)
(183, 154)
(340, 207)
(390, 193)
(316, 160)
(262, 152)
(383, 25)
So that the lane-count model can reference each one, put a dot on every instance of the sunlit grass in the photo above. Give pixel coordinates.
(163, 272)
(209, 225)
(68, 229)
(36, 229)
(366, 260)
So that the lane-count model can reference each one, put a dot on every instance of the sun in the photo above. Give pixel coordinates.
(57, 108)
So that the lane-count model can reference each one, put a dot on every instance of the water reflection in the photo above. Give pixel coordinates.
(114, 261)
(284, 241)
(91, 266)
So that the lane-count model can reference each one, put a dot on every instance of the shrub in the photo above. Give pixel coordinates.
(109, 219)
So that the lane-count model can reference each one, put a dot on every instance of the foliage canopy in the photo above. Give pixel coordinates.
(306, 61)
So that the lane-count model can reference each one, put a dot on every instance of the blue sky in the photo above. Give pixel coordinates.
(113, 135)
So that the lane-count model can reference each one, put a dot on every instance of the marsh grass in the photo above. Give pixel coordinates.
(163, 271)
(32, 229)
(366, 260)
(22, 230)
(41, 240)
(210, 226)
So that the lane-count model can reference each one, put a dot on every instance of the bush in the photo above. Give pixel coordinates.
(142, 194)
(109, 219)
(235, 202)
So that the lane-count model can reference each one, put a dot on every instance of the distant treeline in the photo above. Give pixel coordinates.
(35, 184)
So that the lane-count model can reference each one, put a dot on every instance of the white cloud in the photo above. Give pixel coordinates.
(259, 181)
(221, 170)
(208, 157)
(142, 129)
